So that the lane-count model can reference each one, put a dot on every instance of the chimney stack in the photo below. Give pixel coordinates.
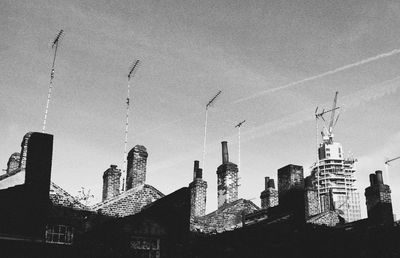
(269, 197)
(379, 202)
(225, 154)
(136, 167)
(227, 176)
(111, 182)
(198, 192)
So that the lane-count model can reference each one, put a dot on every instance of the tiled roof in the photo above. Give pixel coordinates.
(227, 217)
(60, 197)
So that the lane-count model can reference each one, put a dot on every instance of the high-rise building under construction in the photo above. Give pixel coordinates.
(333, 174)
(335, 181)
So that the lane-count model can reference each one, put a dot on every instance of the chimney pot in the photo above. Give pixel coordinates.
(372, 179)
(225, 154)
(266, 182)
(199, 173)
(379, 178)
(271, 183)
(195, 168)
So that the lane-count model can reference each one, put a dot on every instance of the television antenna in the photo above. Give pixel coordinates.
(131, 73)
(209, 104)
(52, 73)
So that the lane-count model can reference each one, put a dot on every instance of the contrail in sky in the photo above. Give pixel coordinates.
(365, 61)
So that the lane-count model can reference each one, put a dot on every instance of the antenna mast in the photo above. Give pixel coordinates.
(205, 126)
(130, 74)
(55, 47)
(238, 126)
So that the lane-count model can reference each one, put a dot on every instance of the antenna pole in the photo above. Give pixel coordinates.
(239, 125)
(209, 104)
(55, 47)
(131, 72)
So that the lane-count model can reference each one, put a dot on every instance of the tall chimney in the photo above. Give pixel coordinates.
(225, 154)
(227, 178)
(111, 182)
(136, 167)
(198, 193)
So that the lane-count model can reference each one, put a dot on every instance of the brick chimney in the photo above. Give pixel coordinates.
(378, 199)
(198, 192)
(269, 197)
(136, 167)
(290, 178)
(291, 190)
(227, 174)
(111, 182)
(38, 153)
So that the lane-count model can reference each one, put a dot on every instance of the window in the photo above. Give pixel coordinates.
(145, 247)
(59, 234)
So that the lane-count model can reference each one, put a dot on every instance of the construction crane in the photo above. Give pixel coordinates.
(209, 104)
(328, 137)
(387, 167)
(52, 73)
(131, 73)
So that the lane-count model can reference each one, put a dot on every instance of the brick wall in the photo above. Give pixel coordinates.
(136, 167)
(111, 182)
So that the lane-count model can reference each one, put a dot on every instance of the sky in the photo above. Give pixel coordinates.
(274, 61)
